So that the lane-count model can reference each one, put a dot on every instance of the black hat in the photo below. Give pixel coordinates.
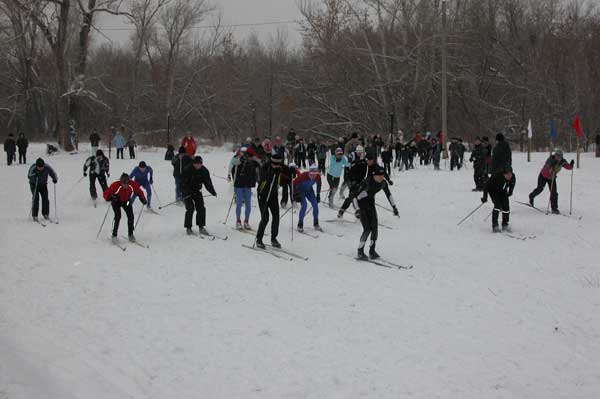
(507, 169)
(99, 153)
(124, 178)
(197, 159)
(276, 158)
(378, 171)
(142, 164)
(371, 156)
(499, 137)
(182, 150)
(40, 163)
(10, 135)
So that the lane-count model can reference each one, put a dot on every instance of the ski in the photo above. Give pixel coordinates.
(245, 231)
(52, 221)
(519, 237)
(340, 220)
(40, 223)
(205, 236)
(548, 213)
(117, 244)
(213, 236)
(387, 262)
(304, 233)
(382, 263)
(531, 206)
(285, 251)
(139, 244)
(272, 253)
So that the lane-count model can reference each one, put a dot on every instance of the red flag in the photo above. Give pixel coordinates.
(577, 126)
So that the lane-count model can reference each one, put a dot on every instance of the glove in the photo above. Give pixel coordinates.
(396, 213)
(318, 198)
(84, 174)
(228, 178)
(483, 200)
(357, 214)
(151, 182)
(107, 174)
(144, 201)
(114, 199)
(572, 162)
(391, 183)
(54, 181)
(215, 195)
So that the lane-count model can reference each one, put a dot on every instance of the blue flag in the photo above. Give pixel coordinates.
(552, 129)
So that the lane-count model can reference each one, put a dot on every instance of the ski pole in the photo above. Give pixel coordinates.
(262, 213)
(220, 177)
(384, 208)
(174, 202)
(229, 210)
(139, 216)
(55, 206)
(571, 202)
(73, 186)
(156, 193)
(292, 203)
(103, 221)
(488, 216)
(471, 213)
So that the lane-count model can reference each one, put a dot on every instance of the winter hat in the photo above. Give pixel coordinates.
(124, 178)
(40, 163)
(378, 171)
(182, 150)
(314, 169)
(197, 159)
(339, 151)
(371, 156)
(359, 148)
(142, 164)
(507, 169)
(499, 137)
(276, 158)
(243, 149)
(558, 151)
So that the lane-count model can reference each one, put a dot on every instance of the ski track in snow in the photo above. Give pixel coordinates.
(480, 315)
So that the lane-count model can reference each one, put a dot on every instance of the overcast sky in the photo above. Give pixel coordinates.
(234, 12)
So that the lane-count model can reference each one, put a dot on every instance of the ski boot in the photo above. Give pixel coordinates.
(300, 228)
(360, 255)
(340, 214)
(189, 231)
(131, 238)
(247, 225)
(372, 253)
(531, 201)
(36, 219)
(506, 228)
(238, 225)
(260, 244)
(496, 229)
(556, 211)
(283, 204)
(203, 231)
(45, 217)
(318, 228)
(114, 240)
(275, 243)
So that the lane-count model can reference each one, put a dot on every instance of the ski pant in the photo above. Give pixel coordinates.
(311, 159)
(387, 167)
(368, 219)
(479, 175)
(131, 152)
(10, 156)
(119, 153)
(542, 181)
(285, 189)
(130, 218)
(146, 186)
(322, 166)
(243, 196)
(22, 157)
(310, 196)
(454, 163)
(346, 183)
(265, 207)
(349, 199)
(101, 180)
(501, 204)
(40, 191)
(300, 160)
(178, 194)
(195, 202)
(334, 183)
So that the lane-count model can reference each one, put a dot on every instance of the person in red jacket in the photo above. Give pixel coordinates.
(119, 194)
(189, 144)
(548, 177)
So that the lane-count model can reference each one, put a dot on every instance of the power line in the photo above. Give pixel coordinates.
(292, 21)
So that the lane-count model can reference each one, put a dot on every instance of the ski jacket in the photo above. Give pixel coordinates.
(41, 176)
(179, 164)
(131, 143)
(498, 185)
(193, 179)
(122, 194)
(337, 166)
(270, 178)
(10, 146)
(190, 145)
(501, 156)
(359, 171)
(552, 167)
(97, 166)
(454, 150)
(478, 154)
(311, 148)
(94, 139)
(143, 178)
(22, 144)
(304, 183)
(244, 173)
(367, 191)
(119, 140)
(322, 152)
(300, 149)
(387, 156)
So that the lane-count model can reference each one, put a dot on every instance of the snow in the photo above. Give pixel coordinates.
(480, 315)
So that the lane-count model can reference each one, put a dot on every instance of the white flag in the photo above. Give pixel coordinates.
(529, 130)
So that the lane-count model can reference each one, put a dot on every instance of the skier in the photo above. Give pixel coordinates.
(311, 151)
(387, 157)
(303, 187)
(501, 155)
(478, 158)
(322, 157)
(94, 141)
(300, 153)
(22, 144)
(99, 169)
(170, 153)
(287, 176)
(354, 158)
(268, 189)
(500, 187)
(436, 152)
(189, 144)
(119, 194)
(179, 164)
(144, 176)
(365, 202)
(548, 176)
(194, 177)
(337, 164)
(10, 147)
(461, 152)
(38, 183)
(243, 169)
(454, 155)
(358, 173)
(131, 144)
(119, 142)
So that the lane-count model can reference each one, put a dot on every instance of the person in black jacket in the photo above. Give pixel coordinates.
(38, 183)
(300, 153)
(501, 155)
(365, 201)
(22, 144)
(179, 163)
(268, 189)
(99, 170)
(288, 175)
(500, 187)
(10, 147)
(311, 152)
(243, 169)
(454, 149)
(387, 157)
(193, 178)
(94, 141)
(478, 158)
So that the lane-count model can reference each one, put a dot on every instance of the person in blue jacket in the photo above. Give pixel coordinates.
(337, 164)
(144, 176)
(119, 142)
(303, 187)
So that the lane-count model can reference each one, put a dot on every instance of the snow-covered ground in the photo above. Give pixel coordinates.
(479, 316)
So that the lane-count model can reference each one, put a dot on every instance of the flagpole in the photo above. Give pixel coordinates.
(529, 149)
(578, 152)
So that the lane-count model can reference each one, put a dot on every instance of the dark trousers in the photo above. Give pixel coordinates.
(349, 198)
(10, 156)
(334, 183)
(130, 219)
(102, 180)
(368, 219)
(41, 191)
(454, 163)
(285, 189)
(265, 208)
(119, 153)
(479, 175)
(22, 157)
(322, 166)
(131, 152)
(388, 167)
(501, 204)
(300, 160)
(195, 202)
(542, 181)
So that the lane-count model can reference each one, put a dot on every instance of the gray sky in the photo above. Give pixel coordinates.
(234, 12)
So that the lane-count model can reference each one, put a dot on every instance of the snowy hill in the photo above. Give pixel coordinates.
(481, 315)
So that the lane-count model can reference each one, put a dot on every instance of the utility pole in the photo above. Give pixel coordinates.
(392, 119)
(168, 128)
(444, 78)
